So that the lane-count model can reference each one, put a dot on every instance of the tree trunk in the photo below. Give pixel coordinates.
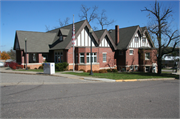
(159, 65)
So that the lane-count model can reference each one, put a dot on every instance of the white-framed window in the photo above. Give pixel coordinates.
(136, 39)
(104, 57)
(136, 67)
(61, 38)
(131, 51)
(147, 56)
(131, 68)
(81, 57)
(120, 52)
(144, 40)
(94, 57)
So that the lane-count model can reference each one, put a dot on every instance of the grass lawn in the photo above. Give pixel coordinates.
(124, 75)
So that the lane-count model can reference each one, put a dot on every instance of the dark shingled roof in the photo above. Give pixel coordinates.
(66, 41)
(125, 36)
(99, 33)
(36, 41)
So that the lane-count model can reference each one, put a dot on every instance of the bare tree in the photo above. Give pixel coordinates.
(160, 28)
(85, 13)
(47, 28)
(64, 23)
(103, 20)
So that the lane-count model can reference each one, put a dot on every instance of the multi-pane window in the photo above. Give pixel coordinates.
(94, 57)
(147, 56)
(81, 57)
(58, 57)
(131, 52)
(136, 39)
(104, 57)
(144, 40)
(34, 57)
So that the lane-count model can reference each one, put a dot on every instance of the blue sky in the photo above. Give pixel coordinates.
(34, 15)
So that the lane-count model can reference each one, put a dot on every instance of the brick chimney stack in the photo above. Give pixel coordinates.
(117, 34)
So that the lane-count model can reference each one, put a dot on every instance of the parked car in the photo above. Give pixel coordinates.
(1, 64)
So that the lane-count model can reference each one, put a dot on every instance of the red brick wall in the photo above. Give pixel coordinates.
(110, 61)
(153, 58)
(110, 57)
(132, 59)
(70, 55)
(40, 58)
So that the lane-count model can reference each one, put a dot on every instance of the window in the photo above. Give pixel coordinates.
(88, 57)
(81, 57)
(144, 40)
(34, 57)
(61, 38)
(131, 52)
(136, 67)
(147, 69)
(136, 39)
(94, 57)
(147, 56)
(131, 68)
(58, 57)
(104, 57)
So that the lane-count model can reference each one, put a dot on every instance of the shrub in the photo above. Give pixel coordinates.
(61, 66)
(102, 71)
(41, 67)
(114, 70)
(82, 70)
(19, 67)
(88, 71)
(109, 70)
(96, 71)
(13, 67)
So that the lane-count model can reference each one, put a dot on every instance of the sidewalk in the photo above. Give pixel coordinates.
(4, 70)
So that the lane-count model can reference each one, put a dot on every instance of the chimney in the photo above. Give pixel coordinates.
(117, 34)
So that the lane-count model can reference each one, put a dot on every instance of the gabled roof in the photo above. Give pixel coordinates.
(63, 44)
(104, 33)
(36, 41)
(125, 36)
(145, 31)
(66, 43)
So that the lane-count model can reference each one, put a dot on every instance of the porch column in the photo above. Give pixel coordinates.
(40, 58)
(22, 57)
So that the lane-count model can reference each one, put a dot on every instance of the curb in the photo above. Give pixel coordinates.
(88, 78)
(132, 80)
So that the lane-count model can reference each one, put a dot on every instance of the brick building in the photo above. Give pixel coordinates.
(128, 48)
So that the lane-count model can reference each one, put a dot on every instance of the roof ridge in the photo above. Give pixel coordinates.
(32, 31)
(67, 25)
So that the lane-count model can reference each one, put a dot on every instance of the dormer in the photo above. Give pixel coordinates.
(63, 34)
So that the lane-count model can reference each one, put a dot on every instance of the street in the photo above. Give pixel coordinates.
(39, 96)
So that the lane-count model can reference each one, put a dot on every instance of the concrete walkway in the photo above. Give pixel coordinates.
(8, 70)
